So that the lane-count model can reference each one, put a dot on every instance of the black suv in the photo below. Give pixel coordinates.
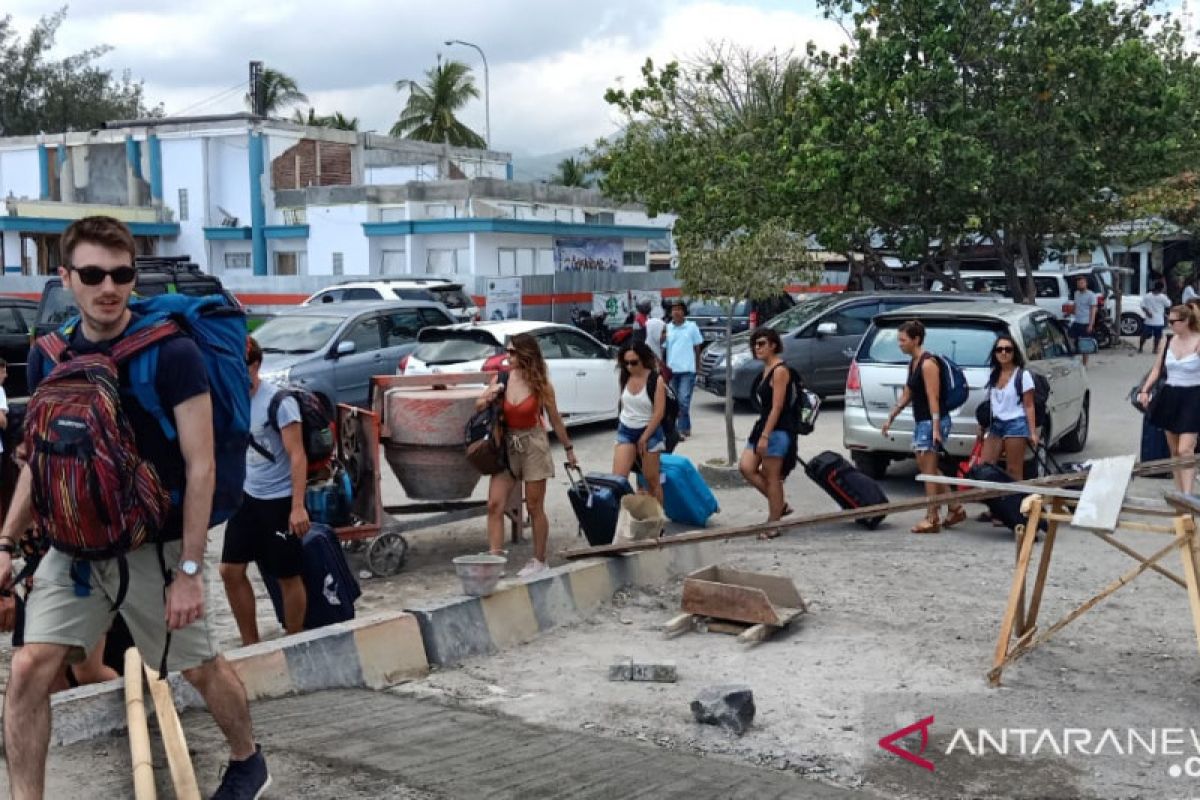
(156, 275)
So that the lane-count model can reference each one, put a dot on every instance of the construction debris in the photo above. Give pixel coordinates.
(731, 707)
(626, 669)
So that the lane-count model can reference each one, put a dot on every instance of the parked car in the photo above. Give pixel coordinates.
(819, 338)
(156, 275)
(1054, 289)
(446, 292)
(964, 333)
(711, 316)
(17, 317)
(335, 349)
(582, 370)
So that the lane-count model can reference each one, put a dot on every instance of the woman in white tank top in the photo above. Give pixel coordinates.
(639, 427)
(1177, 408)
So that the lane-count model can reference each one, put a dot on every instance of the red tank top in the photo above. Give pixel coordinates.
(523, 415)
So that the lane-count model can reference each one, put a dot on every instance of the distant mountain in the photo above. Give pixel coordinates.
(540, 168)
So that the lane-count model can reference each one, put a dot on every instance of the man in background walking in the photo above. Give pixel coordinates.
(683, 341)
(1086, 305)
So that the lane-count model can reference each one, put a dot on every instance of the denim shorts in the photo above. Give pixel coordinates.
(777, 444)
(922, 441)
(1017, 427)
(628, 435)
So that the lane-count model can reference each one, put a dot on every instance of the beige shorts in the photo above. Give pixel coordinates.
(529, 456)
(54, 614)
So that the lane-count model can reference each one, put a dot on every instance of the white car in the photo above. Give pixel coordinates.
(582, 370)
(440, 290)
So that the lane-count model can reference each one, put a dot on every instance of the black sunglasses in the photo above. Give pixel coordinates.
(634, 363)
(94, 276)
(1004, 349)
(761, 342)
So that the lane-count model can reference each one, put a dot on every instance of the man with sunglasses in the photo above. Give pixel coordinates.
(68, 609)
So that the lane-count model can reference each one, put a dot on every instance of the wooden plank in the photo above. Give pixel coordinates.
(1015, 487)
(725, 601)
(678, 624)
(183, 774)
(1016, 592)
(1129, 551)
(1039, 583)
(755, 634)
(1184, 502)
(790, 523)
(721, 626)
(1191, 570)
(1099, 506)
(139, 731)
(779, 589)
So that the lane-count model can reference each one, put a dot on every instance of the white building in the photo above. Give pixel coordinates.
(244, 195)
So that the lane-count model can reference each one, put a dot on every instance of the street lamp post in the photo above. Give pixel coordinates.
(487, 93)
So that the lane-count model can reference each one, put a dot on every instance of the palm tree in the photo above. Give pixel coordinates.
(278, 91)
(337, 120)
(572, 172)
(429, 114)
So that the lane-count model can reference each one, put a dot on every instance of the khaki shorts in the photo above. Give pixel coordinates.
(54, 614)
(529, 456)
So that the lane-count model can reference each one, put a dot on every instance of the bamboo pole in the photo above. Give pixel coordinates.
(139, 733)
(183, 775)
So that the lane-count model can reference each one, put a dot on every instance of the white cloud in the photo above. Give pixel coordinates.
(550, 61)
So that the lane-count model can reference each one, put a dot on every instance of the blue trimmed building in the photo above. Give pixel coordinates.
(248, 196)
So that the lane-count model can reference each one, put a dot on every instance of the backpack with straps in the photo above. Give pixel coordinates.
(670, 420)
(955, 389)
(485, 436)
(1041, 395)
(803, 405)
(93, 496)
(316, 425)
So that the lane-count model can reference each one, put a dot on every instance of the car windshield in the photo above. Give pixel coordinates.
(296, 333)
(712, 308)
(453, 347)
(414, 294)
(801, 314)
(451, 297)
(968, 344)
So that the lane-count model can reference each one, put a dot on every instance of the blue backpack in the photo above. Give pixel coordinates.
(955, 390)
(219, 330)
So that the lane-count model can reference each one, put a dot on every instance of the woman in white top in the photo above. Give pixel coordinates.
(1014, 418)
(639, 428)
(1177, 409)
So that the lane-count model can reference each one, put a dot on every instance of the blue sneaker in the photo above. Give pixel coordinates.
(245, 780)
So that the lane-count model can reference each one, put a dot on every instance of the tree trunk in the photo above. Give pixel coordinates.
(730, 443)
(1117, 288)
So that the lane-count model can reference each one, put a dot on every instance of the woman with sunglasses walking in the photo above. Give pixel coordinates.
(1014, 418)
(770, 453)
(526, 398)
(931, 427)
(1177, 409)
(639, 427)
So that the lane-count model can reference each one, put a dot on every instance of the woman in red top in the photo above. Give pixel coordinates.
(529, 395)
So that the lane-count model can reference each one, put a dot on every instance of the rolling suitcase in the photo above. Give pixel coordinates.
(1006, 509)
(1154, 446)
(331, 586)
(846, 484)
(596, 500)
(686, 497)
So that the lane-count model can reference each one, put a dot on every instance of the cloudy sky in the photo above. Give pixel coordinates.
(550, 61)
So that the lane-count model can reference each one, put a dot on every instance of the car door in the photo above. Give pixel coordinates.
(14, 348)
(831, 353)
(400, 330)
(594, 370)
(352, 371)
(1068, 380)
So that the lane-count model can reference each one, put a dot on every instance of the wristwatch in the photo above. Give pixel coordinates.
(189, 568)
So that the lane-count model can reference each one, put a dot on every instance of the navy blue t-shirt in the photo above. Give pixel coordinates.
(181, 376)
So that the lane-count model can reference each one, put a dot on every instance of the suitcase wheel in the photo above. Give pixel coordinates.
(387, 553)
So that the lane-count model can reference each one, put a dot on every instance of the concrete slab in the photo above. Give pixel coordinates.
(509, 615)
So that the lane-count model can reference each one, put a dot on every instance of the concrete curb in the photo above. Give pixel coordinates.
(462, 627)
(387, 648)
(375, 651)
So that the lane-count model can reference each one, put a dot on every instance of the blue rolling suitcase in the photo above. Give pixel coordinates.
(596, 500)
(1154, 446)
(332, 588)
(686, 497)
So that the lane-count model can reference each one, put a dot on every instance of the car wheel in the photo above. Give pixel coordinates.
(873, 465)
(1131, 325)
(1076, 440)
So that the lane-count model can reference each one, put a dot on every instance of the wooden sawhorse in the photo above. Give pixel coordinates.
(1020, 620)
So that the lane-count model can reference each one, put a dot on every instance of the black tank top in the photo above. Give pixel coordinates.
(766, 400)
(916, 387)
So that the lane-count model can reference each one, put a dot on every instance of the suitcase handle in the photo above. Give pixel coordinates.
(582, 480)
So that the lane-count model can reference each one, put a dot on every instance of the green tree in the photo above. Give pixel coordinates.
(278, 91)
(571, 172)
(336, 120)
(429, 114)
(40, 94)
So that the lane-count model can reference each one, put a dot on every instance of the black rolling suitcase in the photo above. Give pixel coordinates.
(1007, 508)
(1154, 446)
(596, 500)
(846, 484)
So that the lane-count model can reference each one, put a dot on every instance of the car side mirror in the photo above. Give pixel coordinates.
(827, 329)
(343, 349)
(1088, 346)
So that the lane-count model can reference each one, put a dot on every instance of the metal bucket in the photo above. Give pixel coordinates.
(432, 473)
(479, 574)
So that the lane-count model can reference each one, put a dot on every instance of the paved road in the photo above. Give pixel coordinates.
(359, 744)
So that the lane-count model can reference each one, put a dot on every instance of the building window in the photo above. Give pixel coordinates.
(440, 211)
(599, 218)
(393, 262)
(183, 205)
(287, 263)
(545, 261)
(393, 214)
(339, 260)
(441, 262)
(237, 261)
(635, 258)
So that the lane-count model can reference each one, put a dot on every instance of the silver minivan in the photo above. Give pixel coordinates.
(964, 333)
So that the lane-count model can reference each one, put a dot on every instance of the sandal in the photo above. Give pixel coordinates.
(927, 526)
(955, 516)
(773, 533)
(787, 511)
